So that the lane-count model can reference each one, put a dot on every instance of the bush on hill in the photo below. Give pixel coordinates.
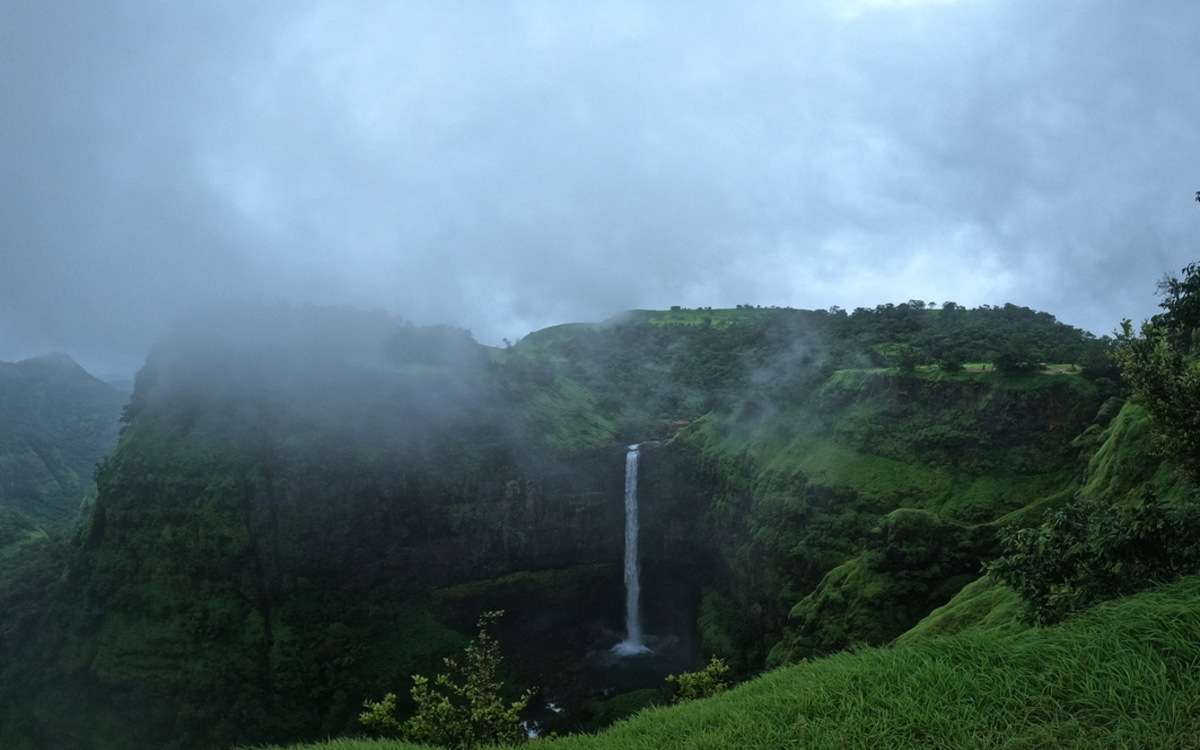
(461, 708)
(1106, 544)
(703, 683)
(1126, 674)
(1094, 550)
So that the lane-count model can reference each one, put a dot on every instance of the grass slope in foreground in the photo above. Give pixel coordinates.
(1126, 674)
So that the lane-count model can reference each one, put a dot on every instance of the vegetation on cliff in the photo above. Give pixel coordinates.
(1119, 517)
(1136, 520)
(463, 707)
(267, 541)
(306, 510)
(1125, 674)
(56, 423)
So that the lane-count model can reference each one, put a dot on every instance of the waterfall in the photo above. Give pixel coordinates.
(633, 623)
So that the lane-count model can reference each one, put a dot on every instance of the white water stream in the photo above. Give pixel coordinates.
(633, 622)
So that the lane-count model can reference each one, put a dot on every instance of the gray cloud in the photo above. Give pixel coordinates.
(504, 166)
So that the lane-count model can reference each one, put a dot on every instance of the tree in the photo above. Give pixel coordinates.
(906, 358)
(1098, 363)
(1016, 357)
(951, 362)
(1180, 317)
(1161, 364)
(461, 708)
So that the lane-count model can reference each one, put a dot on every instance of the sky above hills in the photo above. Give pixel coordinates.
(507, 165)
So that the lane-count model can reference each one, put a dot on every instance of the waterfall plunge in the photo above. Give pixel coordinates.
(633, 622)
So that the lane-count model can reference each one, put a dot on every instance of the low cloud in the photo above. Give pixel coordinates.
(504, 166)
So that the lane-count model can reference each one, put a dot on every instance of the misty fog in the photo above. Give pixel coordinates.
(502, 167)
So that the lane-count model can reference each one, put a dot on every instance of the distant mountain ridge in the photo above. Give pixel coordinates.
(57, 422)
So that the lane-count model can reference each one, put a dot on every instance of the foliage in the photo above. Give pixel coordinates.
(1110, 540)
(1094, 550)
(724, 631)
(800, 495)
(702, 683)
(1162, 366)
(1167, 382)
(1124, 675)
(1016, 357)
(461, 708)
(1100, 363)
(906, 357)
(379, 717)
(951, 362)
(913, 562)
(1181, 308)
(678, 365)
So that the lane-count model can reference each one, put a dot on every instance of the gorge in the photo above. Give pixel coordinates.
(305, 532)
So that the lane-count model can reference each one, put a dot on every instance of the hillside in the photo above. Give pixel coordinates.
(56, 423)
(309, 505)
(1126, 674)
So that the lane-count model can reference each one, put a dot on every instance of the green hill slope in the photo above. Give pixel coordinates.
(56, 423)
(1126, 674)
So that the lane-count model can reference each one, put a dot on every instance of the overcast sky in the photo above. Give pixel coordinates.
(505, 166)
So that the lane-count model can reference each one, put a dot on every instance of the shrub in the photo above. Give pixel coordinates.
(704, 683)
(1091, 551)
(461, 708)
(379, 717)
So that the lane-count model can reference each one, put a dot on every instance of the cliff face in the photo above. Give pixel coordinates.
(303, 514)
(846, 517)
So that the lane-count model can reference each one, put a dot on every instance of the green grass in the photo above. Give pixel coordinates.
(1124, 675)
(983, 603)
(569, 418)
(879, 479)
(1124, 460)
